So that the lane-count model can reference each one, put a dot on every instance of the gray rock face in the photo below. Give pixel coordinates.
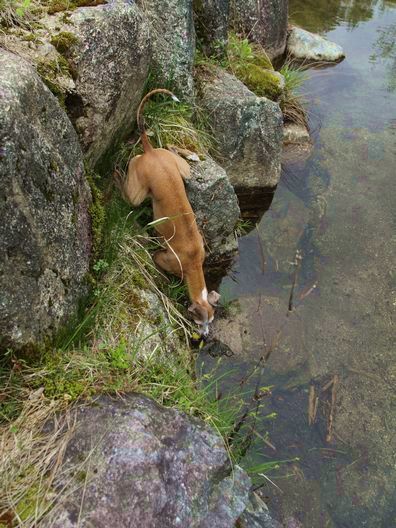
(45, 228)
(173, 41)
(264, 21)
(249, 130)
(147, 466)
(110, 60)
(304, 45)
(216, 206)
(211, 23)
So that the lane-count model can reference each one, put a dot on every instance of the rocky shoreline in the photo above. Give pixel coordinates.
(71, 82)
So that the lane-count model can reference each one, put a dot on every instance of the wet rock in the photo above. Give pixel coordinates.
(265, 21)
(249, 129)
(215, 204)
(173, 41)
(257, 515)
(44, 199)
(146, 466)
(110, 61)
(297, 143)
(211, 23)
(304, 45)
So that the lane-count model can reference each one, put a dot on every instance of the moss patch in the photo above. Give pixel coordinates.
(63, 41)
(97, 213)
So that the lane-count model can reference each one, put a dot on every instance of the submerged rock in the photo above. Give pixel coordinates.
(248, 129)
(173, 42)
(147, 466)
(216, 207)
(304, 45)
(45, 229)
(264, 21)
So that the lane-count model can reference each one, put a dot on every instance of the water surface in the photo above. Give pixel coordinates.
(335, 212)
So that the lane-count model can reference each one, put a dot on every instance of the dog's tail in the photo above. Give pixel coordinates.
(140, 119)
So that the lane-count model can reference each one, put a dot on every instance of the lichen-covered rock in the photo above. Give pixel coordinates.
(264, 21)
(145, 466)
(304, 45)
(248, 129)
(173, 41)
(211, 24)
(110, 61)
(45, 233)
(215, 204)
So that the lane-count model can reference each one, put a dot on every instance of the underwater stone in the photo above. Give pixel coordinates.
(146, 466)
(45, 229)
(304, 45)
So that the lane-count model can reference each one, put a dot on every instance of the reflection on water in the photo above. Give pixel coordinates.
(335, 212)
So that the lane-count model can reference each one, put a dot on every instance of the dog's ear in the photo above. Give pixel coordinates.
(199, 313)
(213, 297)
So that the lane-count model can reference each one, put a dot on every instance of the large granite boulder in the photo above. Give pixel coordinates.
(148, 466)
(173, 41)
(303, 45)
(263, 21)
(216, 207)
(110, 61)
(45, 231)
(248, 129)
(211, 24)
(96, 60)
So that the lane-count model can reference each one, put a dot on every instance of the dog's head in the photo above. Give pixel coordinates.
(203, 311)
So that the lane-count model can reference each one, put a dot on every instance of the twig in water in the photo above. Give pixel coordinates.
(297, 262)
(313, 401)
(330, 423)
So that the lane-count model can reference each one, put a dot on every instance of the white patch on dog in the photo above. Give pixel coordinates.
(204, 295)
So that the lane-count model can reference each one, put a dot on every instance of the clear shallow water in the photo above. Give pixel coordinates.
(337, 209)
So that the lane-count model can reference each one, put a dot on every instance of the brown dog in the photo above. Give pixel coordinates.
(159, 173)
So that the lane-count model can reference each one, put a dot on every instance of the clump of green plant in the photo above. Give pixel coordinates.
(20, 13)
(292, 103)
(250, 64)
(63, 41)
(57, 6)
(176, 124)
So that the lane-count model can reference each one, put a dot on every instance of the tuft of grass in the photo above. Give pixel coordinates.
(292, 103)
(177, 124)
(20, 13)
(250, 64)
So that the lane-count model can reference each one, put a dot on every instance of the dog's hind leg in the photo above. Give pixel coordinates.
(168, 261)
(182, 166)
(134, 190)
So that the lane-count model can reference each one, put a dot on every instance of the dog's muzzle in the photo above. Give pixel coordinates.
(205, 329)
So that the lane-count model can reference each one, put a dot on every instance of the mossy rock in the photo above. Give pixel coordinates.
(264, 83)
